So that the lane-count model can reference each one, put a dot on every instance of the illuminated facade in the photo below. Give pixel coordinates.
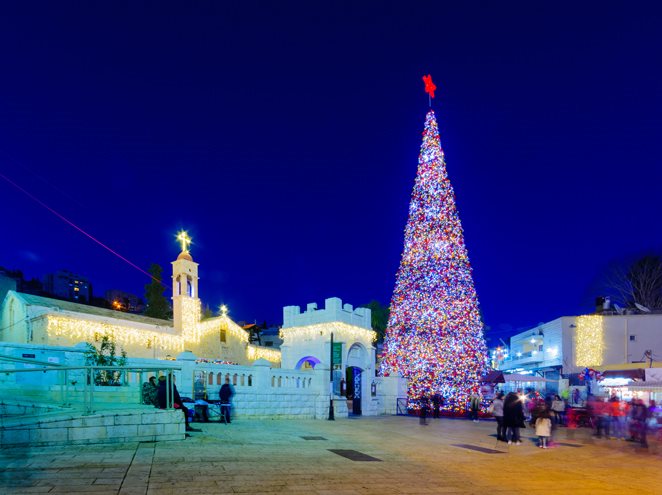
(32, 319)
(570, 344)
(306, 345)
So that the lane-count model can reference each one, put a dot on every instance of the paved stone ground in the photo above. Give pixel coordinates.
(256, 457)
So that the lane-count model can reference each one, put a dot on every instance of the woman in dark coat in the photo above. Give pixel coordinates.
(513, 417)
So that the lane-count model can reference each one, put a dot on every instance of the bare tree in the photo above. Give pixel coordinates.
(639, 281)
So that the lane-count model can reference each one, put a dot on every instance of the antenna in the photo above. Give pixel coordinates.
(642, 308)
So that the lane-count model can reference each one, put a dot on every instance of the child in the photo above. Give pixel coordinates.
(543, 428)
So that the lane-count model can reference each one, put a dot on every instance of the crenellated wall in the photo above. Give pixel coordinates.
(334, 310)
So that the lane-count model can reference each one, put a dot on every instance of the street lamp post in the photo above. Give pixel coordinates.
(331, 414)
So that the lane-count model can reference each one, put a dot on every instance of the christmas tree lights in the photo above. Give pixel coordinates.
(435, 335)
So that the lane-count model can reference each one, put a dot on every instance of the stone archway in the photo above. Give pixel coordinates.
(357, 355)
(356, 364)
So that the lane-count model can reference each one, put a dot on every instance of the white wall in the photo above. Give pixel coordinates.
(261, 391)
(646, 329)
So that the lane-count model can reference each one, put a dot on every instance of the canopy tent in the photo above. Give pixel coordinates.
(632, 374)
(518, 377)
(647, 386)
(494, 376)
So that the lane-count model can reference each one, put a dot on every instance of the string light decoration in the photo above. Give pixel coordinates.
(190, 308)
(90, 331)
(341, 332)
(254, 352)
(434, 336)
(589, 340)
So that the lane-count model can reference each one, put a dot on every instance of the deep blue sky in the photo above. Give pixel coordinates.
(285, 137)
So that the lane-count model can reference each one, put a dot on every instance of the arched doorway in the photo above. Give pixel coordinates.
(353, 383)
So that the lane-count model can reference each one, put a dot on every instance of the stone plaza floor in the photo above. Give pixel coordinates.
(387, 455)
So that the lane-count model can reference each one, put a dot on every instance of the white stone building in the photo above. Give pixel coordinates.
(307, 343)
(568, 345)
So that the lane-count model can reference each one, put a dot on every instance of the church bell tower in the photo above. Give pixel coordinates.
(185, 300)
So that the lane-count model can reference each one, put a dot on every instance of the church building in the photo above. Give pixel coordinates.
(30, 319)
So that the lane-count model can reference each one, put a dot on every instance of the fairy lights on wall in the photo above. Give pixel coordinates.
(341, 332)
(254, 352)
(77, 330)
(589, 337)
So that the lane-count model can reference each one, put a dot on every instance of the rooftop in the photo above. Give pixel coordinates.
(57, 304)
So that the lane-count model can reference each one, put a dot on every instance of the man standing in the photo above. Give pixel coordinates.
(225, 395)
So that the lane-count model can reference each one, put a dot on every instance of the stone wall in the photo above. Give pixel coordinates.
(261, 391)
(145, 424)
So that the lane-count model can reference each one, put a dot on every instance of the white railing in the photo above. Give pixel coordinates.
(83, 387)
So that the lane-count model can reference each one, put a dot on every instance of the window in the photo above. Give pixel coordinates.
(633, 338)
(268, 343)
(224, 335)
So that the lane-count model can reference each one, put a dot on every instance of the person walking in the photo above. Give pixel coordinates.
(513, 417)
(436, 405)
(497, 412)
(474, 406)
(618, 413)
(423, 414)
(225, 394)
(558, 408)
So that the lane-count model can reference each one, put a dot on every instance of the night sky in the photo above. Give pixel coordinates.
(284, 136)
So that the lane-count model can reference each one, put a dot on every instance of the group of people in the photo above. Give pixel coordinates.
(616, 418)
(509, 412)
(157, 395)
(609, 418)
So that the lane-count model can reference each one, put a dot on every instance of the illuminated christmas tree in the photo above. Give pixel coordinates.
(435, 334)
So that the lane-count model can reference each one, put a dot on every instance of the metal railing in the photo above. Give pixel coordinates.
(68, 377)
(402, 406)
